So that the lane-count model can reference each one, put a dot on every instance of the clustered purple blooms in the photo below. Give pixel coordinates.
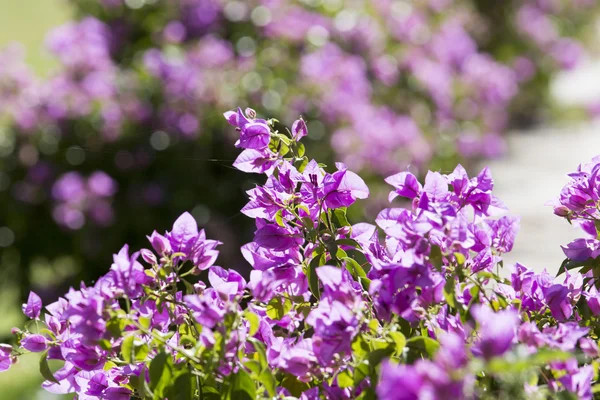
(578, 202)
(89, 84)
(79, 321)
(77, 197)
(354, 57)
(535, 20)
(327, 301)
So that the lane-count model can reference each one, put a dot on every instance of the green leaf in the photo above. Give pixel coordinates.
(423, 344)
(338, 217)
(242, 387)
(274, 144)
(260, 353)
(253, 320)
(253, 366)
(597, 225)
(45, 368)
(292, 384)
(569, 264)
(279, 218)
(365, 282)
(348, 242)
(377, 356)
(301, 163)
(189, 288)
(187, 340)
(435, 257)
(378, 344)
(313, 279)
(460, 258)
(339, 253)
(145, 322)
(278, 307)
(300, 149)
(449, 292)
(361, 372)
(399, 340)
(344, 379)
(105, 344)
(141, 352)
(115, 326)
(360, 348)
(210, 393)
(268, 381)
(161, 375)
(284, 139)
(127, 353)
(355, 268)
(181, 389)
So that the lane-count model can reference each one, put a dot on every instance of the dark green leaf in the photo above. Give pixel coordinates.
(189, 288)
(338, 217)
(242, 387)
(313, 279)
(301, 163)
(348, 242)
(181, 389)
(361, 372)
(355, 268)
(449, 292)
(268, 381)
(377, 356)
(161, 375)
(292, 384)
(45, 368)
(141, 352)
(435, 257)
(424, 344)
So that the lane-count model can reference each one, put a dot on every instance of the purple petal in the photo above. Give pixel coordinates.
(33, 307)
(34, 343)
(255, 136)
(253, 161)
(436, 186)
(184, 228)
(277, 238)
(406, 185)
(299, 129)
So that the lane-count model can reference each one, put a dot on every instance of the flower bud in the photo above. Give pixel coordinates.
(148, 256)
(561, 211)
(344, 230)
(250, 113)
(200, 287)
(160, 243)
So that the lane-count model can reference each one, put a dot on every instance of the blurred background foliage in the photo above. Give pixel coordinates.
(111, 126)
(23, 381)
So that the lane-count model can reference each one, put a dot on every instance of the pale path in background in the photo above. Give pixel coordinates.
(535, 167)
(532, 173)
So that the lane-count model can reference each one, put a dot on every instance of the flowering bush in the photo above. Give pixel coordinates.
(425, 83)
(416, 307)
